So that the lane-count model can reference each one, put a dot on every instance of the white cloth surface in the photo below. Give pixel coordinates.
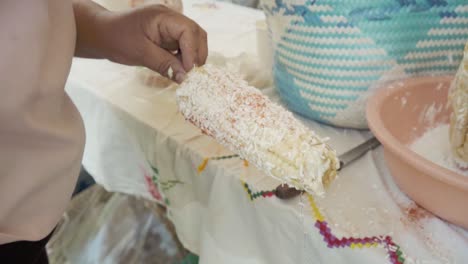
(131, 128)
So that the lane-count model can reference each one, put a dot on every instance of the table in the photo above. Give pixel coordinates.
(224, 210)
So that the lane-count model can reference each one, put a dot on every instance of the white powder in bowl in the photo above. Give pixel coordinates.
(434, 145)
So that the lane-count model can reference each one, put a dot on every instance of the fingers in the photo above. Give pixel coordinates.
(191, 38)
(189, 44)
(169, 31)
(163, 62)
(170, 46)
(203, 48)
(193, 45)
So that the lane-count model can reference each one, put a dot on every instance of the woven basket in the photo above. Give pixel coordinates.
(329, 55)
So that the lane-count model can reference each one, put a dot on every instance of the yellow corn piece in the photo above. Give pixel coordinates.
(265, 134)
(458, 99)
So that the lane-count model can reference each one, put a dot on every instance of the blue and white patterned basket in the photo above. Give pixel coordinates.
(330, 54)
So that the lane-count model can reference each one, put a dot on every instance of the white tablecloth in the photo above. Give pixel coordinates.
(223, 209)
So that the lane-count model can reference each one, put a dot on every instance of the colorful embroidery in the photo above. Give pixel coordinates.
(315, 209)
(155, 185)
(151, 182)
(395, 254)
(204, 163)
(255, 195)
(169, 184)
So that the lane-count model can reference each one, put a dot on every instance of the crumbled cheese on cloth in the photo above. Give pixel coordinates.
(244, 120)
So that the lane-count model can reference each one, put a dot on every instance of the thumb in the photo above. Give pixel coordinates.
(163, 62)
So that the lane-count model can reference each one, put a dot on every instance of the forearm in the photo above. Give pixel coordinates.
(90, 27)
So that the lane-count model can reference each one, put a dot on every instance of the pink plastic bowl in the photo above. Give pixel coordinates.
(394, 116)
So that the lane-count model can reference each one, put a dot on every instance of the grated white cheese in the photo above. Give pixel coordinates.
(430, 112)
(435, 146)
(241, 118)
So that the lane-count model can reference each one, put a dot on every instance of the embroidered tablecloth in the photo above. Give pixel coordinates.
(224, 210)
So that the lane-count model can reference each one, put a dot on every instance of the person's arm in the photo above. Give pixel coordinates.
(142, 36)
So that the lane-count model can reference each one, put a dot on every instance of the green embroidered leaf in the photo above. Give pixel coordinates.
(155, 170)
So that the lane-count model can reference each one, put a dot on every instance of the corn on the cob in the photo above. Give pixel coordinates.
(244, 120)
(458, 99)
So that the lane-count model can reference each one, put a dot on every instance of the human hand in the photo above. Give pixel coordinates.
(152, 36)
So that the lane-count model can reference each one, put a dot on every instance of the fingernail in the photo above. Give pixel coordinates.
(180, 77)
(170, 72)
